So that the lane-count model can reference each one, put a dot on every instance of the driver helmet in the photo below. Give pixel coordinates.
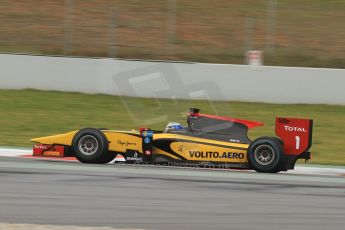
(174, 126)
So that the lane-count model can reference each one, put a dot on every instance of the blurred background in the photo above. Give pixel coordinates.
(45, 95)
(306, 33)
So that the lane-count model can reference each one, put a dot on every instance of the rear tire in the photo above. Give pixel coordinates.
(91, 146)
(266, 155)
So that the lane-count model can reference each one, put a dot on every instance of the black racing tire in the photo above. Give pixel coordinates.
(91, 146)
(279, 140)
(266, 155)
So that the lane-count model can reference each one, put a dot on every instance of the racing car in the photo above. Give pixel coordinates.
(206, 140)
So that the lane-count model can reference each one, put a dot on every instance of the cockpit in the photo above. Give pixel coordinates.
(213, 127)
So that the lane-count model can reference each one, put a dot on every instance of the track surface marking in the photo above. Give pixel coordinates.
(58, 193)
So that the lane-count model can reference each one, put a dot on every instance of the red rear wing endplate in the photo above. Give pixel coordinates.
(296, 134)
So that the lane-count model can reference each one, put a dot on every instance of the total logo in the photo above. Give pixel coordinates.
(294, 129)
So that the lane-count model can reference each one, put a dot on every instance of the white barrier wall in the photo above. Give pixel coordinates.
(177, 80)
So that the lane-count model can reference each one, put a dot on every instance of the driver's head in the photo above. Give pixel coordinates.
(174, 126)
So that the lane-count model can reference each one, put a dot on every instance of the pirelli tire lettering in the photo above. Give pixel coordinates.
(224, 155)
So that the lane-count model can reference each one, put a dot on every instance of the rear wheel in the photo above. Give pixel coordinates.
(266, 155)
(91, 146)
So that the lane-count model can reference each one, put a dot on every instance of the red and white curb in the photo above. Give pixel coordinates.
(27, 153)
(305, 170)
(10, 152)
(318, 170)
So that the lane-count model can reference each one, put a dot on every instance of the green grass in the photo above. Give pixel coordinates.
(303, 33)
(25, 114)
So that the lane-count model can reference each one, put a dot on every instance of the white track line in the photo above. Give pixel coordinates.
(11, 152)
(306, 170)
(315, 170)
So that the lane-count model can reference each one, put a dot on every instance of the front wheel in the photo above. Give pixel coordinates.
(91, 146)
(266, 155)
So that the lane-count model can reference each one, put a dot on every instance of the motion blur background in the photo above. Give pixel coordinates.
(307, 33)
(301, 33)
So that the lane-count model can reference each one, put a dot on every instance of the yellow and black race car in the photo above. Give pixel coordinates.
(208, 140)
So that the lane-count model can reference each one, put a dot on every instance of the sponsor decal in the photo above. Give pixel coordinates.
(294, 129)
(234, 141)
(134, 157)
(148, 133)
(52, 154)
(204, 152)
(126, 143)
(209, 154)
(147, 140)
(41, 146)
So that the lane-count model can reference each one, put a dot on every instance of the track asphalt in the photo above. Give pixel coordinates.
(120, 196)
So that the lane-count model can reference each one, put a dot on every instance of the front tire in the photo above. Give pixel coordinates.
(266, 155)
(91, 146)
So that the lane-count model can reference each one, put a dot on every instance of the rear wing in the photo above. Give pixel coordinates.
(295, 133)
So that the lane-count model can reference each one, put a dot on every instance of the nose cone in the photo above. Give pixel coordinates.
(45, 140)
(37, 140)
(63, 139)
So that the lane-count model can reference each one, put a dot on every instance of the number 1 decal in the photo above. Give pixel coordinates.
(298, 140)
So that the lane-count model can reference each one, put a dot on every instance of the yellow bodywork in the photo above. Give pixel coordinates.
(182, 147)
(119, 141)
(60, 139)
(203, 152)
(200, 149)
